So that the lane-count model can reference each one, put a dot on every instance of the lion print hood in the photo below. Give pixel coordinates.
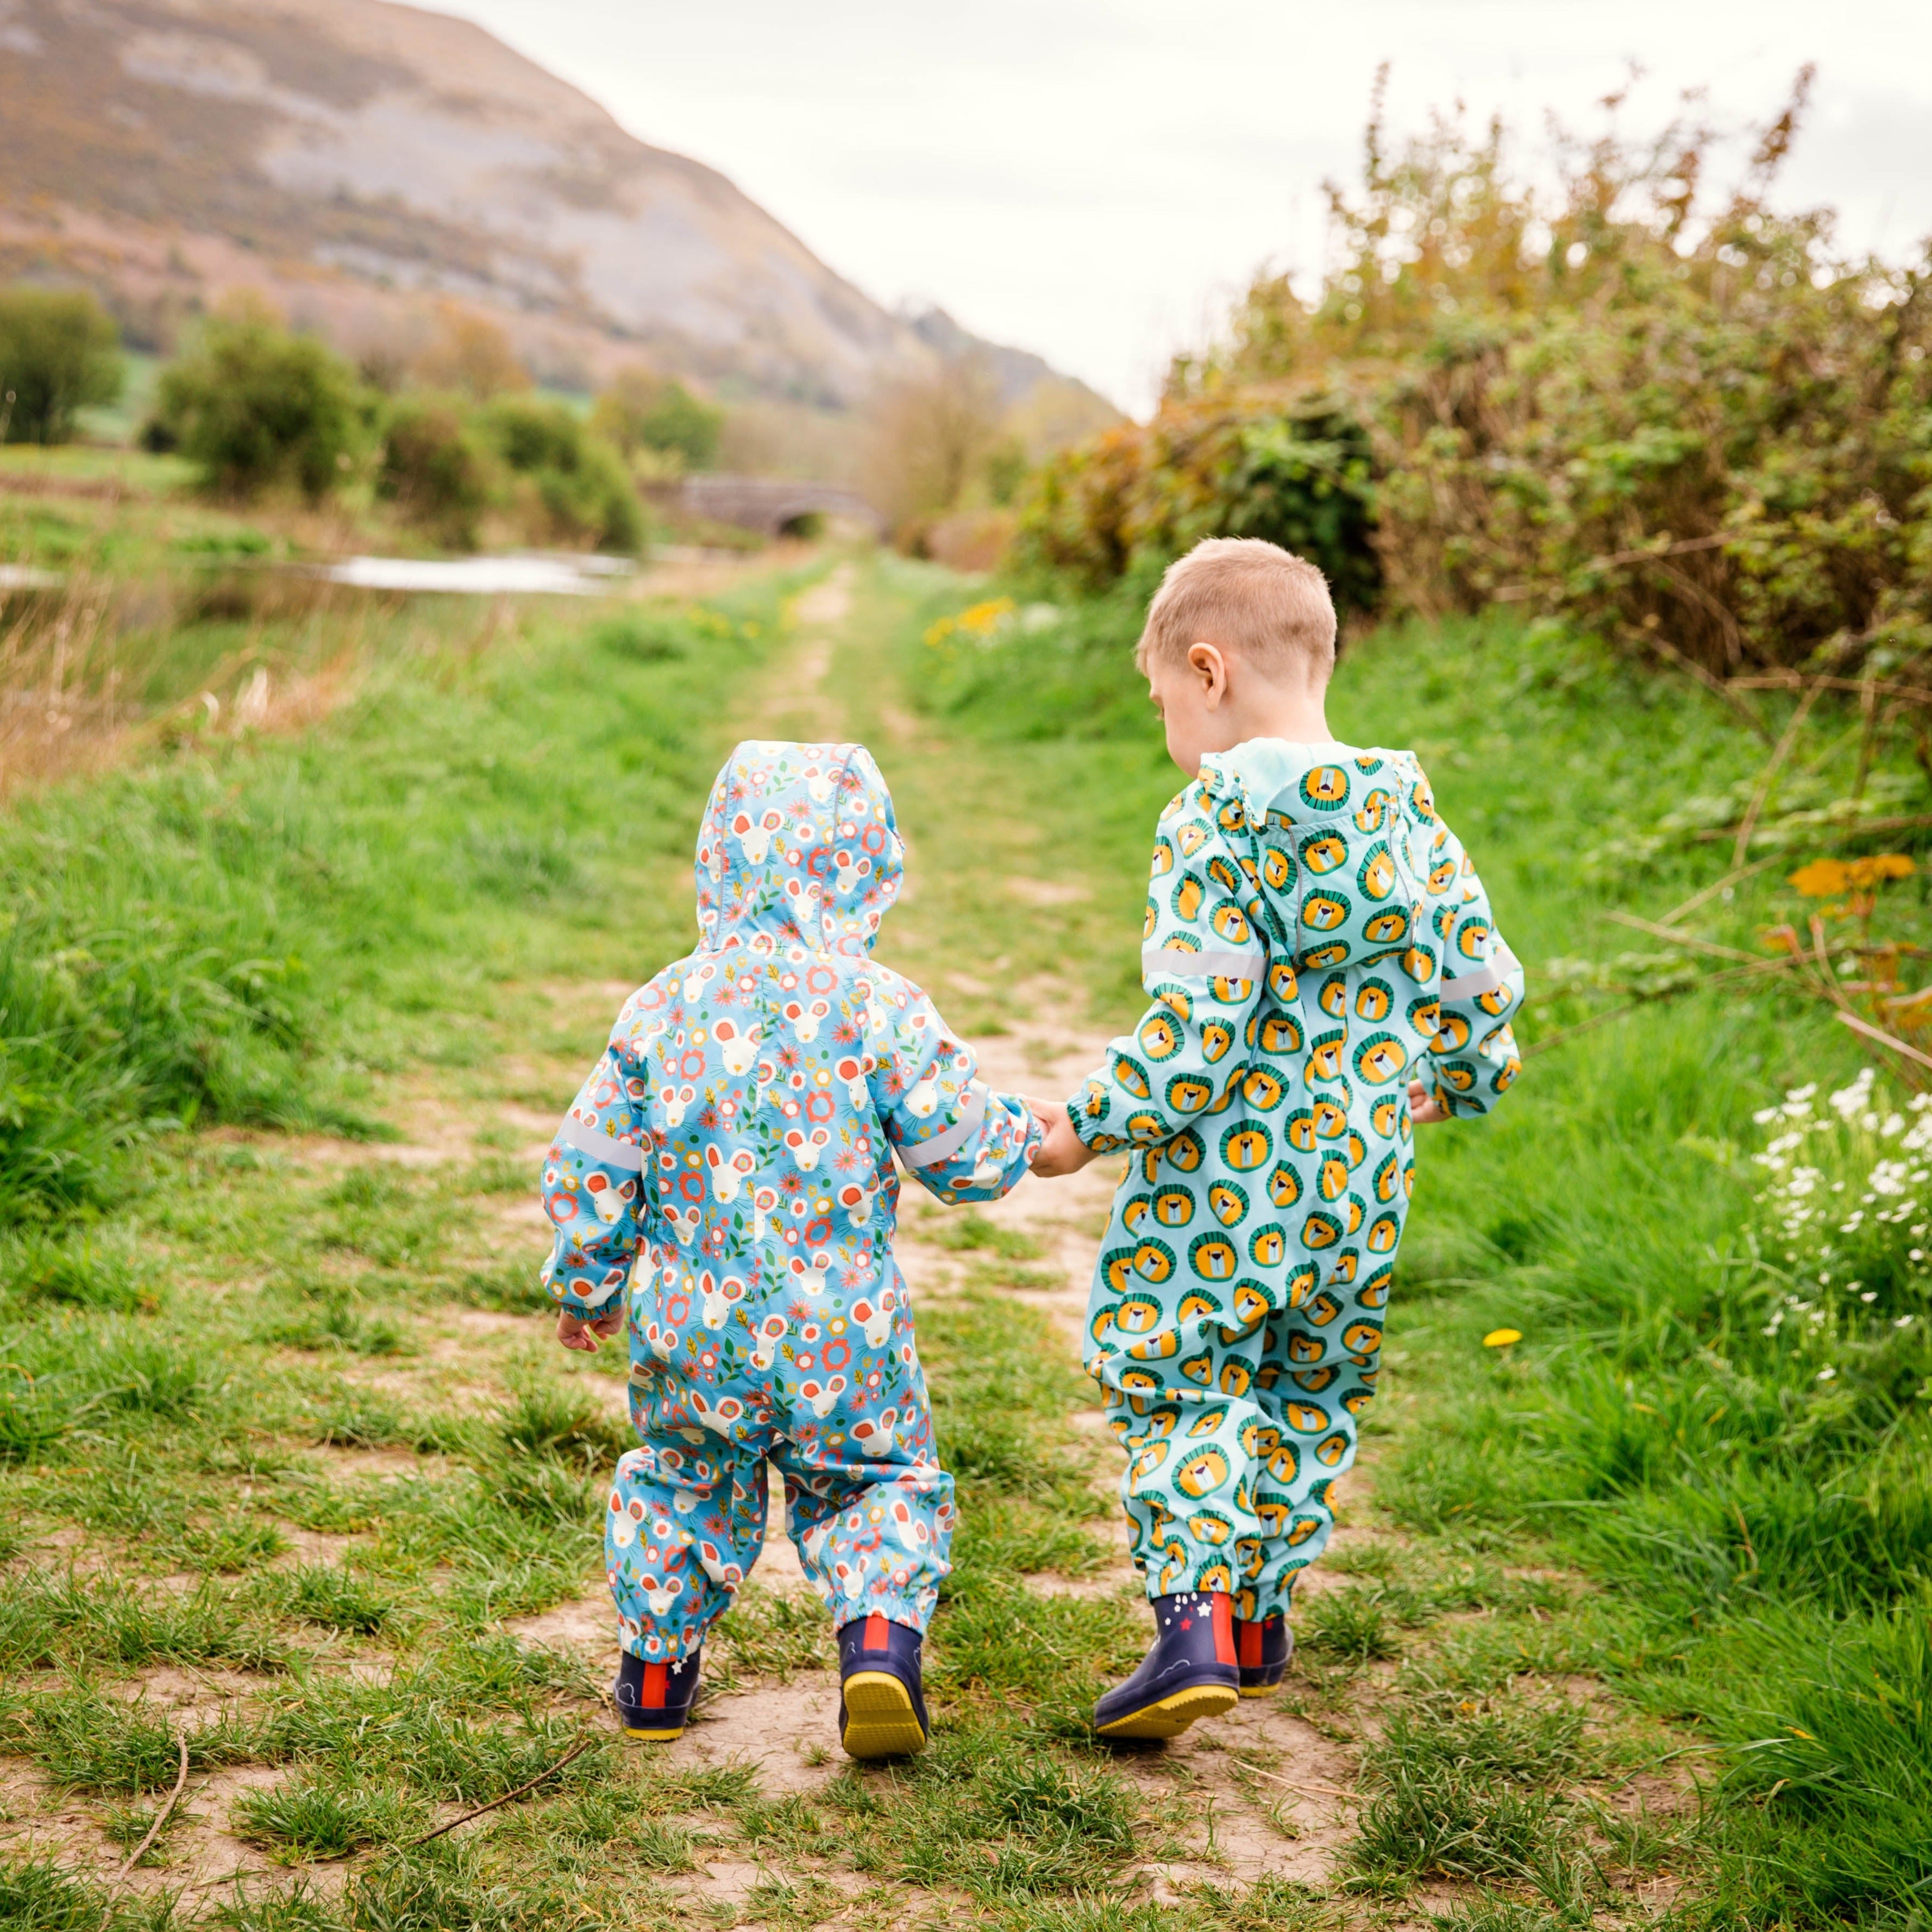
(1340, 843)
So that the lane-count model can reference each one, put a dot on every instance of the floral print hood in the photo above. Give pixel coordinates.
(799, 847)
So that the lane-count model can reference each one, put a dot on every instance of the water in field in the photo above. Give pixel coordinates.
(523, 574)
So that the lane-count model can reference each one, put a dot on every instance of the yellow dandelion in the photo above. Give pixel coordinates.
(1867, 873)
(1821, 878)
(982, 620)
(1501, 1338)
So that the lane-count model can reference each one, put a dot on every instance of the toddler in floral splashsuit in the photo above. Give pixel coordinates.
(724, 1182)
(1324, 971)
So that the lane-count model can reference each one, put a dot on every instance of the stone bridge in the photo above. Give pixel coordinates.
(773, 504)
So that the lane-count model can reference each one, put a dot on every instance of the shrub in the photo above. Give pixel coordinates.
(254, 406)
(58, 352)
(434, 469)
(577, 479)
(639, 411)
(1296, 470)
(1706, 436)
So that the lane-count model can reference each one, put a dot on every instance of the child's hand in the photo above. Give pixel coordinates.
(574, 1333)
(1424, 1109)
(1062, 1151)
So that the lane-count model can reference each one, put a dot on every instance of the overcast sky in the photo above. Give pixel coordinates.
(1094, 179)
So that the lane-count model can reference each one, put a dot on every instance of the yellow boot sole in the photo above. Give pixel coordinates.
(880, 1720)
(1169, 1717)
(1259, 1690)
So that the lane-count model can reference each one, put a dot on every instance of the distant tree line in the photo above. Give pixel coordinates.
(457, 439)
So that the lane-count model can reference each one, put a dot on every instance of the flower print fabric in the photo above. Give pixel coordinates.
(1316, 939)
(726, 1170)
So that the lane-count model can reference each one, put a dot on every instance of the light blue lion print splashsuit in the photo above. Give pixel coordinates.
(1316, 939)
(728, 1165)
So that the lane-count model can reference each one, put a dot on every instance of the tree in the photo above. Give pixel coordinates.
(253, 406)
(59, 352)
(578, 479)
(472, 354)
(931, 436)
(640, 410)
(434, 469)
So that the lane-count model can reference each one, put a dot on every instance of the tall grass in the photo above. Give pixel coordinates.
(233, 932)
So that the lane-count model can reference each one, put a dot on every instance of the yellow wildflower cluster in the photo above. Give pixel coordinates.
(710, 622)
(1824, 877)
(979, 622)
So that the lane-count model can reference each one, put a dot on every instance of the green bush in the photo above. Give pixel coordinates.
(638, 411)
(434, 469)
(1293, 470)
(579, 482)
(58, 352)
(254, 407)
(1703, 434)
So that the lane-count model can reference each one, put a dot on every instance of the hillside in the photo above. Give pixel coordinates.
(360, 160)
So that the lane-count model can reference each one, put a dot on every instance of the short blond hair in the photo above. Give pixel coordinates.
(1261, 602)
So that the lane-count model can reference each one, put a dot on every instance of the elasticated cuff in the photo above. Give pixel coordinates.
(915, 1612)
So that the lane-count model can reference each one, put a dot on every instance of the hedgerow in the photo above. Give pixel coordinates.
(1694, 425)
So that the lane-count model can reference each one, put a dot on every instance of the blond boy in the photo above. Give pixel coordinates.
(1323, 972)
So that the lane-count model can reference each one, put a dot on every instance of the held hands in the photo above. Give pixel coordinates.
(1424, 1109)
(1062, 1151)
(575, 1332)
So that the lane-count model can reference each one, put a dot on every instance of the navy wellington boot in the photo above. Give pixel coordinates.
(1262, 1649)
(881, 1709)
(1191, 1672)
(654, 1699)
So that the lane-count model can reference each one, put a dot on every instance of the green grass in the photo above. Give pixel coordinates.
(267, 1412)
(270, 1411)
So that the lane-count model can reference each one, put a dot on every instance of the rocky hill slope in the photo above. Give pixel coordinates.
(358, 161)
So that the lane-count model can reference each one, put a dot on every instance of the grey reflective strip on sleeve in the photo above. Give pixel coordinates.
(1485, 979)
(1249, 964)
(606, 1147)
(944, 1146)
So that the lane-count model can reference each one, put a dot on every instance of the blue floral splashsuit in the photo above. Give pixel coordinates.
(728, 1166)
(1315, 938)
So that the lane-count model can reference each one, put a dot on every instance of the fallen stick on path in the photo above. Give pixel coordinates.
(161, 1815)
(1319, 1790)
(583, 1745)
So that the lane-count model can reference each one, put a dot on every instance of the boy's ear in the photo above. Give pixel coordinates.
(1210, 667)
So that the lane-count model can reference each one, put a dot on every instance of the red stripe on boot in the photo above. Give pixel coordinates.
(876, 1638)
(1224, 1628)
(1250, 1636)
(652, 1697)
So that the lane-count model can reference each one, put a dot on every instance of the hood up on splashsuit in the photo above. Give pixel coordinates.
(799, 847)
(727, 1173)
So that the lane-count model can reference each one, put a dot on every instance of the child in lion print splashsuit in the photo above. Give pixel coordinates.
(724, 1183)
(1324, 969)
